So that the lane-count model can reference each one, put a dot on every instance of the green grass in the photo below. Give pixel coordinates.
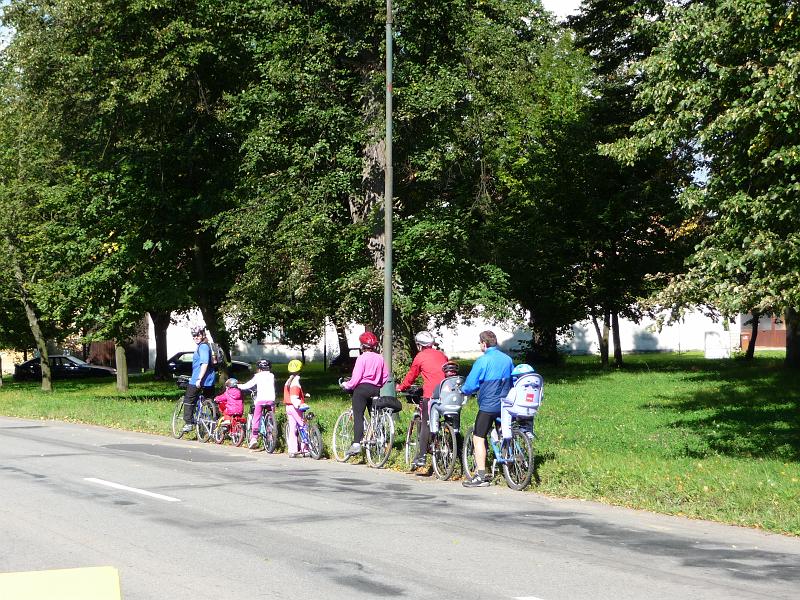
(669, 433)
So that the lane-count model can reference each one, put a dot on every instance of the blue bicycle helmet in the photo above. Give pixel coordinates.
(520, 370)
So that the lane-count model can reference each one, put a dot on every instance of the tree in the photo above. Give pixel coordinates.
(724, 81)
(631, 214)
(133, 93)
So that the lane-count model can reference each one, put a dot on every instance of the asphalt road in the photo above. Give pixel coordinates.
(200, 521)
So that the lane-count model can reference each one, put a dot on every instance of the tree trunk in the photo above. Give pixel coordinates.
(341, 336)
(122, 367)
(617, 343)
(602, 338)
(33, 320)
(792, 339)
(161, 321)
(751, 346)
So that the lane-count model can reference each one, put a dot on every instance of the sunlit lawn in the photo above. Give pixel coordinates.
(670, 433)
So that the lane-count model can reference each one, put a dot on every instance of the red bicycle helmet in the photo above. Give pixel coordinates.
(368, 339)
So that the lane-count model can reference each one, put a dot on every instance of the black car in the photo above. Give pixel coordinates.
(61, 367)
(181, 364)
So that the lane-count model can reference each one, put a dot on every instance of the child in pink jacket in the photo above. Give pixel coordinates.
(230, 401)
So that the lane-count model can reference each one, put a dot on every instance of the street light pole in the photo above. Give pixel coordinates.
(388, 192)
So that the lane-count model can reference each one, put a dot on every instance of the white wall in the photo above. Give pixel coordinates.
(691, 333)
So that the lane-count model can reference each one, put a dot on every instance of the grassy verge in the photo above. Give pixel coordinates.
(675, 434)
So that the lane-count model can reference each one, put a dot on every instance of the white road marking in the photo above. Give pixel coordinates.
(119, 486)
(527, 598)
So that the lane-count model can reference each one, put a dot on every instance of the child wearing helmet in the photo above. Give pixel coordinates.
(523, 400)
(293, 397)
(264, 382)
(230, 401)
(369, 375)
(428, 362)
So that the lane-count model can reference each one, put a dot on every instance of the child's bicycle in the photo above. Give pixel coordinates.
(267, 426)
(515, 455)
(232, 427)
(203, 418)
(378, 434)
(308, 435)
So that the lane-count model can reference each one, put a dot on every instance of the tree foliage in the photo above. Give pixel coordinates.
(724, 80)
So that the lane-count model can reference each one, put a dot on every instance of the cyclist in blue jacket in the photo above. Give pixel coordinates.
(490, 377)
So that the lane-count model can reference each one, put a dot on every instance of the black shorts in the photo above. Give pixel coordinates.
(484, 423)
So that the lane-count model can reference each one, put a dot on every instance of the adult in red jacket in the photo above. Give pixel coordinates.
(428, 362)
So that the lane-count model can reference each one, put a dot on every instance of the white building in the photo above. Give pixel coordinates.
(694, 332)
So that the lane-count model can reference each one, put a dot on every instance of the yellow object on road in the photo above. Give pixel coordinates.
(92, 583)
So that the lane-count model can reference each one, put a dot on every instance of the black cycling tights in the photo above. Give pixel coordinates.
(362, 399)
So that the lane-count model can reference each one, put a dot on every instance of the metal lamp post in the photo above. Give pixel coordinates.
(388, 388)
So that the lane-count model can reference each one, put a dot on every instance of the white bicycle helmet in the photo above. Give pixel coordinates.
(424, 338)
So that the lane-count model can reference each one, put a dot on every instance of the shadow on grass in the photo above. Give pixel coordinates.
(538, 461)
(744, 416)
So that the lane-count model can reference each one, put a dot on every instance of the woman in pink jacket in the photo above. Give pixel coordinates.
(369, 375)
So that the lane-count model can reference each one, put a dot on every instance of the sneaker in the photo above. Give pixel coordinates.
(353, 450)
(253, 444)
(187, 428)
(475, 481)
(418, 463)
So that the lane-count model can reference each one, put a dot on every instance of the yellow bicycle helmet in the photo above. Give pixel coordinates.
(295, 366)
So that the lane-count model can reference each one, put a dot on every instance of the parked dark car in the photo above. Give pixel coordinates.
(181, 364)
(61, 367)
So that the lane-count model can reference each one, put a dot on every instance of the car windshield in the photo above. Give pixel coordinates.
(76, 360)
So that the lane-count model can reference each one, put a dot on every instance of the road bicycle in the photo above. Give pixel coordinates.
(514, 455)
(267, 426)
(203, 418)
(378, 434)
(443, 443)
(308, 435)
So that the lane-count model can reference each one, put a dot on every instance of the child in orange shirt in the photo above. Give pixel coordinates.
(293, 398)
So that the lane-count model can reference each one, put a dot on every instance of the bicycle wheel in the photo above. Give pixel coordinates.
(270, 437)
(218, 435)
(380, 445)
(237, 434)
(343, 435)
(468, 456)
(445, 451)
(177, 420)
(412, 439)
(206, 424)
(519, 456)
(314, 441)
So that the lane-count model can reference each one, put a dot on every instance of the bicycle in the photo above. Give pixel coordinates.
(443, 442)
(267, 426)
(203, 417)
(234, 429)
(378, 434)
(515, 455)
(308, 435)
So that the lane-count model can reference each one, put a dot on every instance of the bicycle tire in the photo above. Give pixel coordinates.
(342, 435)
(270, 437)
(468, 456)
(412, 439)
(177, 420)
(379, 446)
(237, 434)
(219, 434)
(206, 424)
(314, 441)
(519, 454)
(445, 452)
